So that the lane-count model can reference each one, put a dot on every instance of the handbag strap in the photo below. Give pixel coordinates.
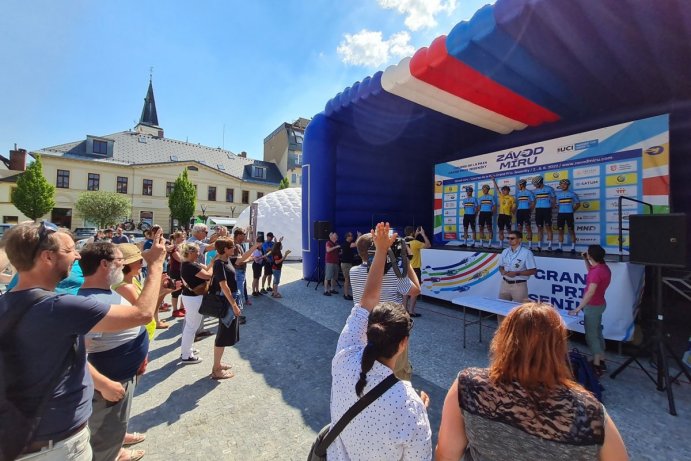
(353, 411)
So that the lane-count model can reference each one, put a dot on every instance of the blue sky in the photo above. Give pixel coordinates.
(77, 67)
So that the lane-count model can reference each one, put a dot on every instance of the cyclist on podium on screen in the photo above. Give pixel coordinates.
(568, 203)
(524, 208)
(544, 202)
(488, 205)
(507, 206)
(470, 206)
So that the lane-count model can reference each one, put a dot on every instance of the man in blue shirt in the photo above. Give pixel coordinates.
(525, 202)
(488, 205)
(568, 203)
(544, 201)
(267, 246)
(470, 206)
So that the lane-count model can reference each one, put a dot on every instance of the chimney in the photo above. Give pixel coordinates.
(18, 159)
(242, 154)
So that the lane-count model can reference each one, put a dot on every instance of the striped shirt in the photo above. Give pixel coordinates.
(567, 201)
(525, 199)
(392, 288)
(487, 203)
(543, 197)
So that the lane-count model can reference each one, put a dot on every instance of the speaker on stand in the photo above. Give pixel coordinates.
(321, 229)
(658, 241)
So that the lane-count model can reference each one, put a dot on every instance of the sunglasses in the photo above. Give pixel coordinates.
(44, 230)
(513, 238)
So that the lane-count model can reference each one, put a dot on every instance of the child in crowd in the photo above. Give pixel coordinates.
(277, 259)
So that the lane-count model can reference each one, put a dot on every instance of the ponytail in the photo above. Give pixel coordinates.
(369, 355)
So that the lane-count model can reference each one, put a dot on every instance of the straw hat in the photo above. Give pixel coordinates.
(130, 253)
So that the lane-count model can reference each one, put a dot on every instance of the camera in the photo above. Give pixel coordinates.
(397, 257)
(169, 284)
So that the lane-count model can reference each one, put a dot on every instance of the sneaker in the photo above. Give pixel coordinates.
(334, 292)
(573, 252)
(191, 359)
(178, 313)
(202, 335)
(558, 250)
(256, 293)
(327, 293)
(269, 289)
(243, 319)
(548, 249)
(262, 291)
(349, 298)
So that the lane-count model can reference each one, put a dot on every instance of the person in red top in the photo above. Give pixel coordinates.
(332, 262)
(593, 303)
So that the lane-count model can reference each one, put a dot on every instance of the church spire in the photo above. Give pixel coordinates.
(148, 122)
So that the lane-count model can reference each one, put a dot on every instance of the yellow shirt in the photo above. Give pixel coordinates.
(415, 247)
(506, 204)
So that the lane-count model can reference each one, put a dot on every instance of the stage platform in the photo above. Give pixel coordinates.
(452, 273)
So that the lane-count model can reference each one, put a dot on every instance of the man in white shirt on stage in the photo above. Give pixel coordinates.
(516, 267)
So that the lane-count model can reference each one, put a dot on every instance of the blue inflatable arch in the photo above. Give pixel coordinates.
(519, 71)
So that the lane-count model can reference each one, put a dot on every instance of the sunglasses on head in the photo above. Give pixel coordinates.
(44, 230)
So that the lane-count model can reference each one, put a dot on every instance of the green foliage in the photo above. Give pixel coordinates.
(103, 208)
(284, 184)
(34, 195)
(183, 199)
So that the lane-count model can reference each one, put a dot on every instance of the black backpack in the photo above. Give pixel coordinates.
(584, 373)
(16, 426)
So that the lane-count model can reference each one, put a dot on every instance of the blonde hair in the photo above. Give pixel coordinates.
(20, 242)
(188, 248)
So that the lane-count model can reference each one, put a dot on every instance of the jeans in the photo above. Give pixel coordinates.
(240, 280)
(593, 328)
(75, 448)
(192, 321)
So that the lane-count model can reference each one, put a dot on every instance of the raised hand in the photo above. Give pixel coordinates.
(381, 237)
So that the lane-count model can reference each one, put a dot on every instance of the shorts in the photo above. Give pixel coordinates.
(565, 218)
(268, 270)
(504, 222)
(485, 218)
(227, 336)
(277, 276)
(331, 271)
(469, 221)
(523, 217)
(543, 217)
(256, 270)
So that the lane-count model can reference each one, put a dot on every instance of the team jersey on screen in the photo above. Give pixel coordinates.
(543, 197)
(525, 199)
(487, 202)
(566, 200)
(469, 205)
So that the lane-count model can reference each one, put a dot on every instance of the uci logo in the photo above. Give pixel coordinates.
(655, 150)
(621, 178)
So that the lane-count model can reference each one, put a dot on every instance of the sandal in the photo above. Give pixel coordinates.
(130, 455)
(134, 438)
(226, 367)
(222, 374)
(162, 325)
(277, 295)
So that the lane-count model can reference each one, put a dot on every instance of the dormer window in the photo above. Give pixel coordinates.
(100, 147)
(259, 172)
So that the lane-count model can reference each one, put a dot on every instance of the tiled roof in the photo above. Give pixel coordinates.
(131, 148)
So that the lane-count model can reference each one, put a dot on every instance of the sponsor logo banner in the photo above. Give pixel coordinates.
(587, 183)
(621, 179)
(622, 167)
(451, 212)
(450, 220)
(586, 217)
(585, 172)
(591, 194)
(588, 228)
(450, 204)
(625, 205)
(613, 216)
(629, 191)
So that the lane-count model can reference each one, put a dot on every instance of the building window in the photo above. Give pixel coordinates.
(148, 187)
(169, 188)
(63, 181)
(258, 172)
(121, 187)
(260, 195)
(10, 220)
(298, 159)
(293, 178)
(192, 168)
(212, 193)
(245, 196)
(229, 195)
(93, 181)
(100, 147)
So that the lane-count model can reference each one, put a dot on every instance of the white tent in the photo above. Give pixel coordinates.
(279, 212)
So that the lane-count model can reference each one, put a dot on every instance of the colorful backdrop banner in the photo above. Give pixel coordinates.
(630, 159)
(449, 274)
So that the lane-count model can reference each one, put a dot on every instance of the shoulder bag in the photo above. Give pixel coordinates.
(327, 435)
(214, 305)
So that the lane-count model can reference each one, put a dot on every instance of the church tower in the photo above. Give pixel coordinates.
(148, 122)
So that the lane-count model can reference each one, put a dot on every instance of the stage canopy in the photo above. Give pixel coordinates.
(518, 71)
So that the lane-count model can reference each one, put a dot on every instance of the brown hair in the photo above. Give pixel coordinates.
(20, 244)
(363, 243)
(222, 243)
(530, 347)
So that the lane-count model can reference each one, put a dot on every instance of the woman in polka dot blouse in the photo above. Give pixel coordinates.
(395, 426)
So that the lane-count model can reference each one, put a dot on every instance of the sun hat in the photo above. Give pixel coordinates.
(130, 253)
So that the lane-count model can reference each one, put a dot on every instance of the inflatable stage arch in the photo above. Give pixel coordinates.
(517, 72)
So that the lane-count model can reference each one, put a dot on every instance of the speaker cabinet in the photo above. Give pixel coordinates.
(322, 229)
(658, 240)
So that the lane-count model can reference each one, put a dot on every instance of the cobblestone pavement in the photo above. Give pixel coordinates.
(279, 398)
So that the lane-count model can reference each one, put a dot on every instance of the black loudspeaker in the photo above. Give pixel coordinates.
(322, 229)
(658, 239)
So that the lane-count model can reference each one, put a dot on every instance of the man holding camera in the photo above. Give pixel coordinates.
(392, 289)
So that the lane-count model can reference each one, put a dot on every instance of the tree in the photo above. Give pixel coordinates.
(34, 195)
(183, 199)
(284, 184)
(103, 208)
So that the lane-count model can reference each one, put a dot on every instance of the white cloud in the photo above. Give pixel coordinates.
(420, 13)
(368, 48)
